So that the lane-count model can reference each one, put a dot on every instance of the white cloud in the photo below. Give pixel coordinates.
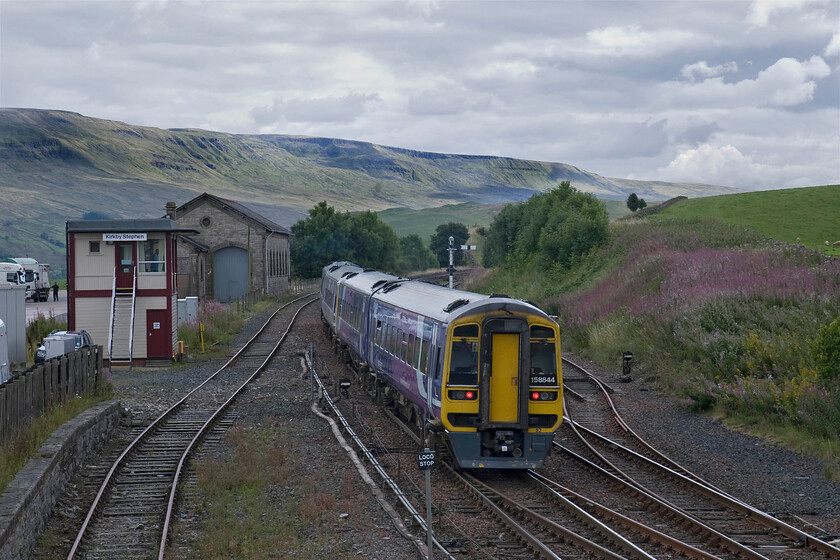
(787, 82)
(833, 47)
(324, 109)
(632, 40)
(703, 70)
(762, 10)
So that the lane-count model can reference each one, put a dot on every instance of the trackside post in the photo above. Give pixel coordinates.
(426, 460)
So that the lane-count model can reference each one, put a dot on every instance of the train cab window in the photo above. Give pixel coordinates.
(463, 364)
(543, 357)
(465, 331)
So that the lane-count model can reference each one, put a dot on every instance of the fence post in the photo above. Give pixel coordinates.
(4, 426)
(62, 375)
(99, 368)
(27, 398)
(55, 383)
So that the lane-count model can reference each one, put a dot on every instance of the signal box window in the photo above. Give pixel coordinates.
(153, 258)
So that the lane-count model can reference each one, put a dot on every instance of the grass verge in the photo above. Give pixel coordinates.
(263, 499)
(16, 452)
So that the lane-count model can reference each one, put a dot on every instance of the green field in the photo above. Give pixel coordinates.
(811, 214)
(423, 222)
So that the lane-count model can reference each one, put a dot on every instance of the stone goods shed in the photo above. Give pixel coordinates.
(235, 251)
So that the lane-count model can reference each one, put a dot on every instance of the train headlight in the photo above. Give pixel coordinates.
(543, 395)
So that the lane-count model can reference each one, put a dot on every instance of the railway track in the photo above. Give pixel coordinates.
(130, 515)
(599, 440)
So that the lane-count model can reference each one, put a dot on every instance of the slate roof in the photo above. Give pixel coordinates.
(235, 207)
(126, 226)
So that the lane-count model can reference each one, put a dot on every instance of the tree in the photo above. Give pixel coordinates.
(327, 236)
(551, 228)
(633, 202)
(439, 242)
(414, 255)
(642, 204)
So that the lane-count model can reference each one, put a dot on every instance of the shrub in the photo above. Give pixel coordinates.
(827, 351)
(37, 329)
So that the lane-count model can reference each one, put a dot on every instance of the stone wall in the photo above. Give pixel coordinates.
(28, 500)
(219, 229)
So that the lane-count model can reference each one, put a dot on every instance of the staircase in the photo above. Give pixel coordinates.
(121, 338)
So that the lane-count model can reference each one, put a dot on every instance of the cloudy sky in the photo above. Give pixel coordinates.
(743, 94)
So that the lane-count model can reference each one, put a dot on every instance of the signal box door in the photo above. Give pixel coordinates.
(504, 378)
(158, 341)
(126, 261)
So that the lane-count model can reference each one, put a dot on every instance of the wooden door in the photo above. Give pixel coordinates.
(158, 339)
(126, 261)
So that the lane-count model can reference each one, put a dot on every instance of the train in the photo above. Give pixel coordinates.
(484, 370)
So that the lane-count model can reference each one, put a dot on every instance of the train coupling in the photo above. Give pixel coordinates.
(504, 443)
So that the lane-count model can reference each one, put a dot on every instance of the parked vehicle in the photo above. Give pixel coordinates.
(12, 273)
(37, 278)
(58, 343)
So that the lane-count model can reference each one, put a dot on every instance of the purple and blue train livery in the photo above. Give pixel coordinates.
(483, 369)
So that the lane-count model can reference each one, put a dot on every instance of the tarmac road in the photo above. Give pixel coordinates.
(47, 308)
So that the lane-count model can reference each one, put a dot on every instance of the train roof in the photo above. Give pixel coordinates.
(336, 270)
(367, 280)
(444, 304)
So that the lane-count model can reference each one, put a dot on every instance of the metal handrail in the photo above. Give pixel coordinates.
(113, 305)
(131, 326)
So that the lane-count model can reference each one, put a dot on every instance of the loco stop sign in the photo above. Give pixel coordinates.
(426, 459)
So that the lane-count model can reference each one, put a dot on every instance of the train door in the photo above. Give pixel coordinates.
(504, 378)
(503, 383)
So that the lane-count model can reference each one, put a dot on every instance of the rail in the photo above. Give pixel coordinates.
(110, 478)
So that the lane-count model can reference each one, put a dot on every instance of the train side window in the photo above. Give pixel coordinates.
(463, 364)
(404, 348)
(418, 351)
(410, 351)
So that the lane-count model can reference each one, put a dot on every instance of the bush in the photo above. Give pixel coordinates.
(221, 325)
(36, 330)
(827, 351)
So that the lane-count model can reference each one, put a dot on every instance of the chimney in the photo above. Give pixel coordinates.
(170, 210)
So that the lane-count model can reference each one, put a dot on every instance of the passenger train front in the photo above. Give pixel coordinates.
(483, 369)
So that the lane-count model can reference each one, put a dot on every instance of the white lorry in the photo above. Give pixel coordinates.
(37, 278)
(13, 273)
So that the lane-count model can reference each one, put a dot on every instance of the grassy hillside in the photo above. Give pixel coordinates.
(56, 166)
(716, 312)
(810, 214)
